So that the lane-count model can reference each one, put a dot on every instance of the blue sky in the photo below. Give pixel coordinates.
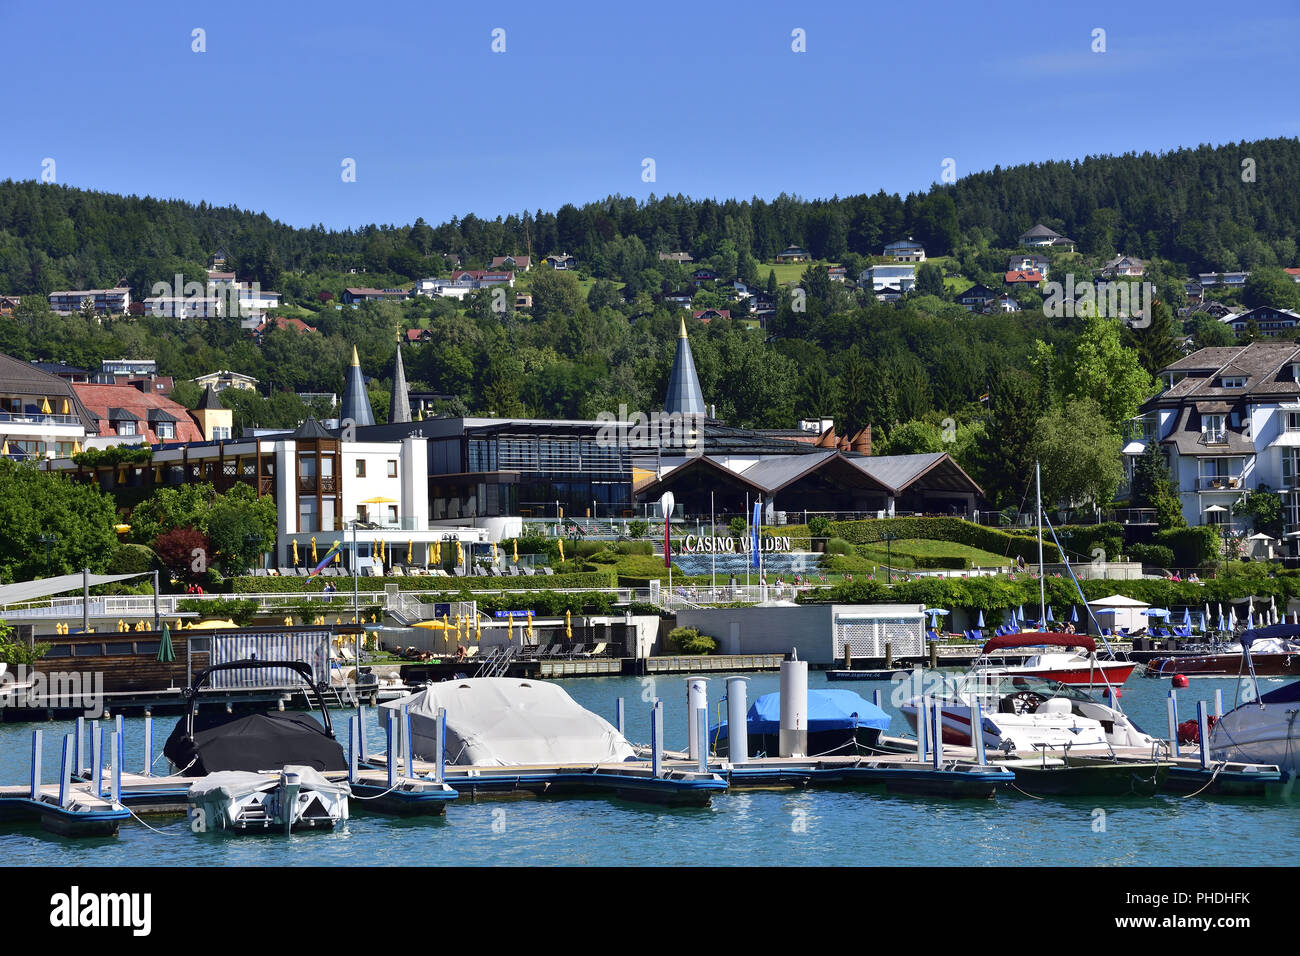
(439, 125)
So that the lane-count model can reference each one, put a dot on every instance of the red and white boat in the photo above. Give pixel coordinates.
(1078, 668)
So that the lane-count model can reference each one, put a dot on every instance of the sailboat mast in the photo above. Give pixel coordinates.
(1042, 583)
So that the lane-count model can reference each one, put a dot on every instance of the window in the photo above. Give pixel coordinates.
(166, 429)
(220, 434)
(361, 468)
(307, 466)
(392, 514)
(126, 428)
(1233, 381)
(1212, 426)
(1293, 421)
(392, 468)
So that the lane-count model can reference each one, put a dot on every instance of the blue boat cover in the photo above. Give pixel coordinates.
(1289, 631)
(827, 710)
(1288, 694)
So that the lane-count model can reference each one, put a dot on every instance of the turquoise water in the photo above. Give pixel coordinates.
(753, 829)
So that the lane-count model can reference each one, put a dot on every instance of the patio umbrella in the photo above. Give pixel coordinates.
(410, 550)
(980, 622)
(934, 613)
(1202, 627)
(510, 626)
(1049, 614)
(568, 625)
(446, 626)
(1187, 617)
(166, 652)
(45, 406)
(295, 552)
(437, 552)
(515, 555)
(460, 553)
(1074, 614)
(560, 541)
(495, 556)
(478, 627)
(530, 625)
(1020, 613)
(314, 560)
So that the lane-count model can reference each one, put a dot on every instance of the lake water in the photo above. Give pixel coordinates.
(828, 827)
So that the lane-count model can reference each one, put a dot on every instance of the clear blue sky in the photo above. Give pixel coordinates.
(439, 125)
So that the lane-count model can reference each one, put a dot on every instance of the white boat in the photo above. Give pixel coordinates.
(1025, 714)
(296, 798)
(1075, 663)
(505, 721)
(1265, 729)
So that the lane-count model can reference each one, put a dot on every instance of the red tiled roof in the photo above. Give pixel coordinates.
(284, 322)
(98, 399)
(1019, 275)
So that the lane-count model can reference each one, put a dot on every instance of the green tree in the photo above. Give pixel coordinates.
(1078, 451)
(1156, 343)
(1005, 452)
(1270, 285)
(1100, 368)
(929, 280)
(77, 517)
(1264, 507)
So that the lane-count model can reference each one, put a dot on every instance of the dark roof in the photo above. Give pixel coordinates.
(1262, 363)
(209, 399)
(161, 415)
(123, 415)
(684, 394)
(1040, 232)
(311, 429)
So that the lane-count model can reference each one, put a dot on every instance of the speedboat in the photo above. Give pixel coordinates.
(840, 722)
(1023, 713)
(1077, 667)
(259, 770)
(1271, 657)
(1266, 729)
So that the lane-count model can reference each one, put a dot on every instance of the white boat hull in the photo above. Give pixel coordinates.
(1259, 733)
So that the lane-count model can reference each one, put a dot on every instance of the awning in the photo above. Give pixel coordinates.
(34, 590)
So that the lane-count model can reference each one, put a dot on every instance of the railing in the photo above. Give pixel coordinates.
(39, 418)
(1218, 482)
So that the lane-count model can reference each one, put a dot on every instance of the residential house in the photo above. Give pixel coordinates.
(224, 379)
(703, 275)
(1195, 292)
(523, 300)
(418, 335)
(40, 413)
(185, 306)
(905, 250)
(1231, 280)
(481, 278)
(1293, 273)
(283, 322)
(217, 260)
(708, 315)
(896, 278)
(683, 299)
(837, 273)
(976, 298)
(794, 254)
(1002, 303)
(1029, 263)
(1213, 308)
(1024, 277)
(1040, 235)
(1267, 319)
(352, 296)
(1228, 422)
(139, 417)
(1123, 266)
(105, 301)
(512, 263)
(563, 262)
(682, 258)
(9, 305)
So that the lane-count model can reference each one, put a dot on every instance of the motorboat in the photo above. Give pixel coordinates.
(259, 770)
(1022, 713)
(1265, 729)
(840, 722)
(1076, 663)
(1271, 657)
(507, 721)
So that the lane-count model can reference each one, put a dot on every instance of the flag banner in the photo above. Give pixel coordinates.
(758, 517)
(335, 549)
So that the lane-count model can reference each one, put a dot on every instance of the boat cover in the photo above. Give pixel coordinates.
(827, 710)
(1287, 694)
(503, 721)
(1040, 638)
(1289, 632)
(252, 742)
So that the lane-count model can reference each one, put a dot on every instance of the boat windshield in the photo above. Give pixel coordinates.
(994, 684)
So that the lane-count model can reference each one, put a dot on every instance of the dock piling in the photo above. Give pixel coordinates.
(848, 656)
(792, 735)
(353, 742)
(440, 732)
(875, 697)
(702, 733)
(1218, 702)
(737, 720)
(889, 654)
(116, 743)
(290, 783)
(922, 720)
(1172, 713)
(656, 737)
(977, 733)
(37, 737)
(934, 654)
(408, 762)
(65, 781)
(389, 752)
(697, 696)
(1203, 725)
(618, 717)
(77, 752)
(96, 759)
(361, 732)
(936, 745)
(148, 745)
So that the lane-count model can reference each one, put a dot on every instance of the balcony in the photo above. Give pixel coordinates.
(1214, 436)
(1218, 482)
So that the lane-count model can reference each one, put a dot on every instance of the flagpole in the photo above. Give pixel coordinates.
(713, 530)
(747, 538)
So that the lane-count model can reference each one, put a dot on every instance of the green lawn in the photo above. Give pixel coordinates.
(787, 272)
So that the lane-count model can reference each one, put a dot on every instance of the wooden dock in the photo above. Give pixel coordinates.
(83, 814)
(704, 663)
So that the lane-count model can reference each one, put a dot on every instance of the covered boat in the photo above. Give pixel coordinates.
(839, 722)
(1264, 730)
(506, 721)
(1270, 656)
(212, 740)
(295, 799)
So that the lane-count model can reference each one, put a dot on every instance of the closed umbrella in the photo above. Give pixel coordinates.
(410, 550)
(295, 552)
(530, 624)
(560, 541)
(1020, 614)
(1074, 614)
(478, 627)
(446, 626)
(314, 560)
(1202, 622)
(437, 552)
(980, 622)
(1187, 617)
(568, 625)
(460, 553)
(1049, 613)
(45, 406)
(510, 626)
(166, 652)
(515, 556)
(495, 557)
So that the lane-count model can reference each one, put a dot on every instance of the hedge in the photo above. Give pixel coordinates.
(1192, 547)
(1000, 593)
(547, 603)
(1156, 554)
(945, 529)
(577, 579)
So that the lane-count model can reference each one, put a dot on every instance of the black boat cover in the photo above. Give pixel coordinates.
(253, 742)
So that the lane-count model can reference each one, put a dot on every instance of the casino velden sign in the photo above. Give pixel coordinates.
(704, 544)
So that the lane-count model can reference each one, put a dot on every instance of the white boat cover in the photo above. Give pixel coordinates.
(505, 721)
(236, 784)
(1265, 645)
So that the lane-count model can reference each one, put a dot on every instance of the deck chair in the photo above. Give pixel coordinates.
(396, 571)
(976, 635)
(578, 650)
(529, 572)
(556, 651)
(472, 652)
(598, 650)
(548, 570)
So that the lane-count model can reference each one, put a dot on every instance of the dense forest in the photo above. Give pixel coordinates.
(995, 390)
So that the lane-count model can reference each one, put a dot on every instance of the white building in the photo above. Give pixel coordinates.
(898, 278)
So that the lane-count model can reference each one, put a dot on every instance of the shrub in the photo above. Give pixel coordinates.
(838, 546)
(132, 559)
(635, 547)
(241, 611)
(1192, 547)
(637, 528)
(690, 641)
(946, 529)
(1157, 554)
(819, 527)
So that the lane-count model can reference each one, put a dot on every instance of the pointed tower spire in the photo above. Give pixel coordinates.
(684, 395)
(399, 407)
(356, 403)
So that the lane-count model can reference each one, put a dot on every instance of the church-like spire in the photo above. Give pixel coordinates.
(356, 403)
(684, 395)
(399, 407)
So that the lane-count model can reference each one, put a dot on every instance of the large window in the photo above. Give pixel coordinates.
(392, 468)
(361, 468)
(1214, 429)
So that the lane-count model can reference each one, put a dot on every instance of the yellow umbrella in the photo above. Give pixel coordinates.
(446, 626)
(510, 627)
(76, 447)
(568, 625)
(460, 553)
(494, 552)
(65, 407)
(295, 552)
(410, 550)
(314, 560)
(458, 625)
(478, 627)
(561, 542)
(45, 406)
(516, 551)
(338, 557)
(530, 625)
(4, 449)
